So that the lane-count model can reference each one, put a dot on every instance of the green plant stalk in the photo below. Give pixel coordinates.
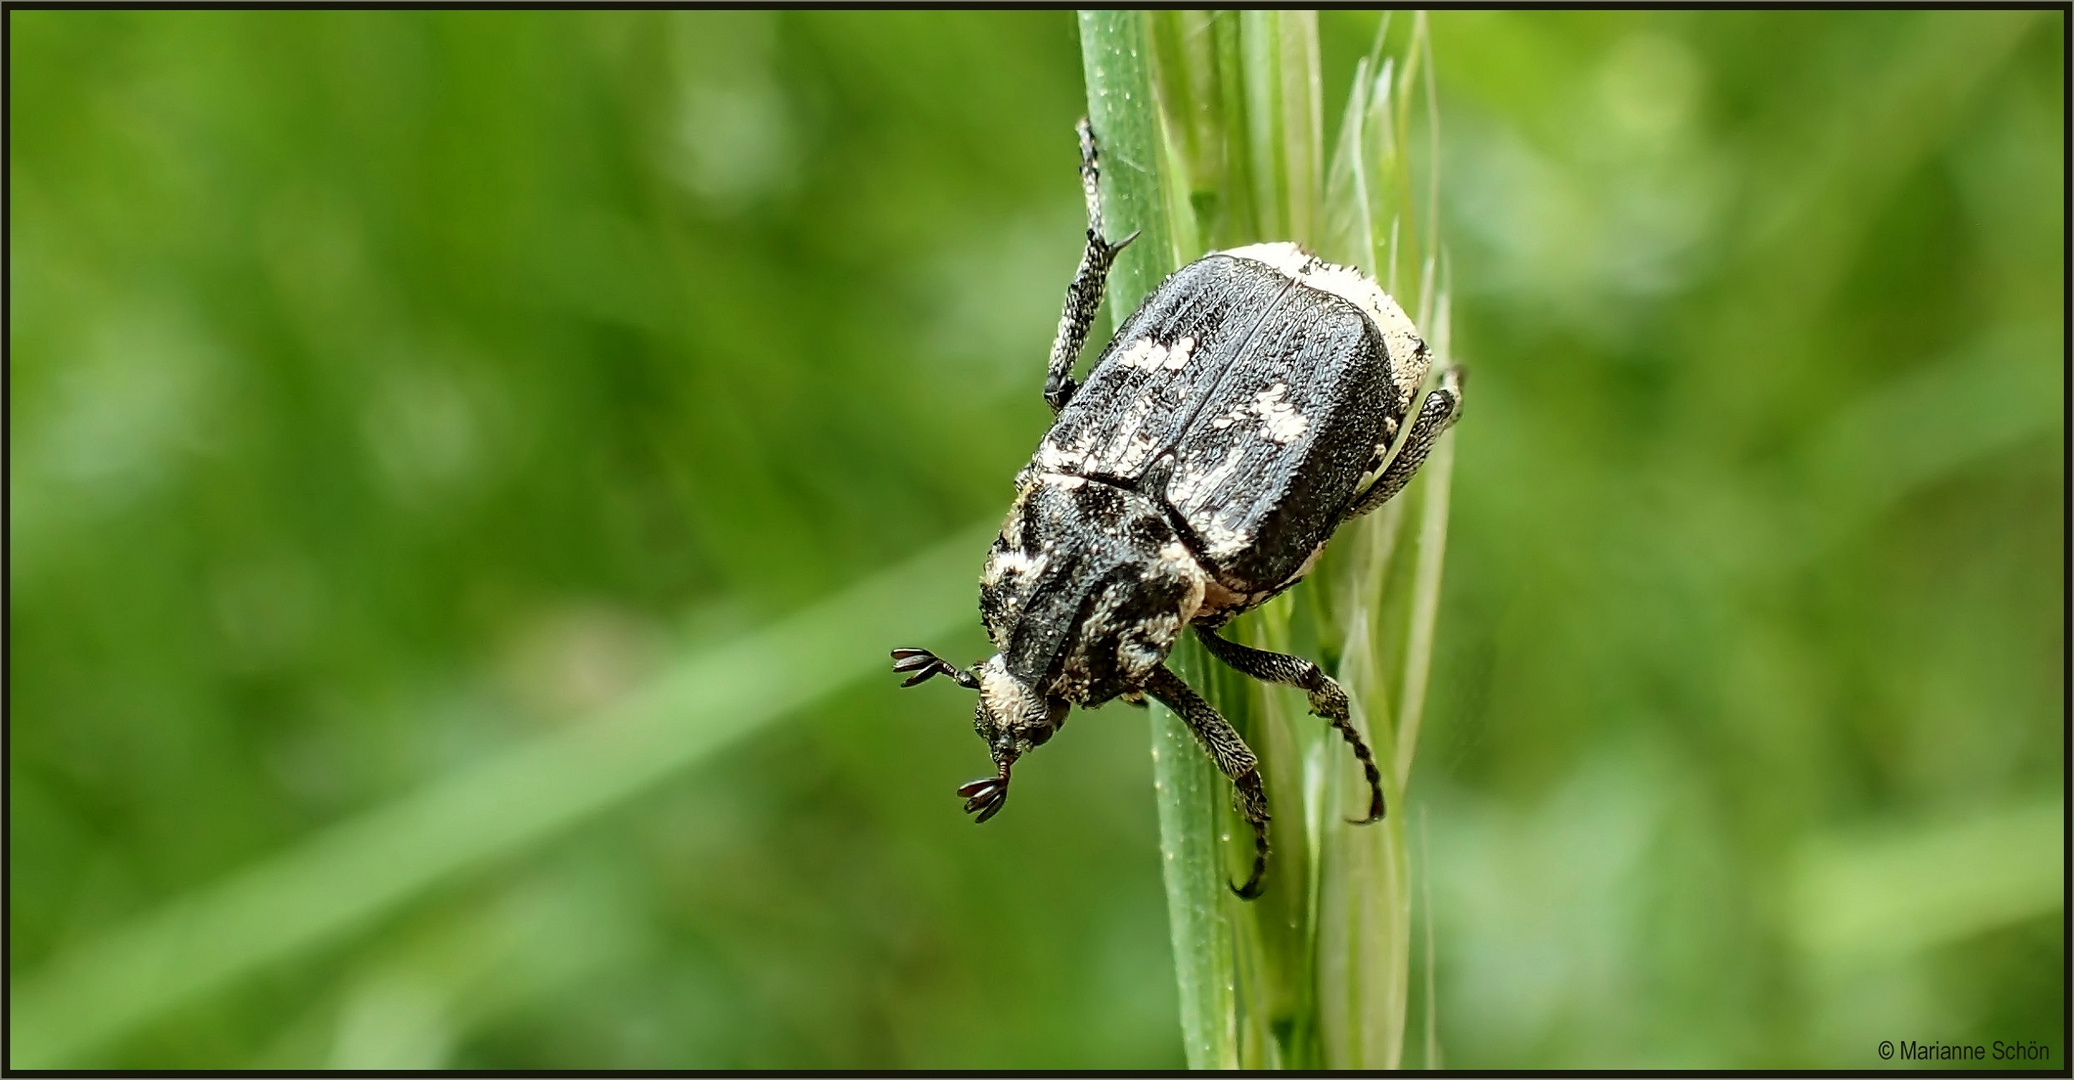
(1212, 130)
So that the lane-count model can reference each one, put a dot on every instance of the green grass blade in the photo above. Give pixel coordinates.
(1116, 53)
(354, 873)
(1225, 108)
(1189, 791)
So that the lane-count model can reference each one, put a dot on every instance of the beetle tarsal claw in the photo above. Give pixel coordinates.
(1255, 884)
(985, 796)
(925, 665)
(921, 660)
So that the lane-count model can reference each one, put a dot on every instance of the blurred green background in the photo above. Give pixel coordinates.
(394, 395)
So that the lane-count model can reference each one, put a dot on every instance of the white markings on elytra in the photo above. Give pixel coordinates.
(1138, 354)
(1408, 357)
(1133, 455)
(1279, 421)
(1284, 256)
(1178, 356)
(1189, 489)
(1149, 354)
(1127, 450)
(1053, 458)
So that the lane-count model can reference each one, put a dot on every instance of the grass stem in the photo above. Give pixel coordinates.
(1212, 123)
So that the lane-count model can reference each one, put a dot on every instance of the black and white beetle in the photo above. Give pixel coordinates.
(1242, 414)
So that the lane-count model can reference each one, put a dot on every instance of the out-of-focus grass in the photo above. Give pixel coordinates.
(389, 390)
(360, 870)
(1729, 595)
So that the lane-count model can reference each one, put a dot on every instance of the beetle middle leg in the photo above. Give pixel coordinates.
(1233, 757)
(1327, 699)
(1084, 295)
(1438, 413)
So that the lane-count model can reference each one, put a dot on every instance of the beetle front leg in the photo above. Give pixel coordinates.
(1439, 412)
(1327, 700)
(925, 664)
(1084, 295)
(1233, 757)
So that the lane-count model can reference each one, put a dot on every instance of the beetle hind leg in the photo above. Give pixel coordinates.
(1233, 757)
(1327, 700)
(1084, 295)
(1439, 412)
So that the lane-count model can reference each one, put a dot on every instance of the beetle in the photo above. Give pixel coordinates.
(1246, 410)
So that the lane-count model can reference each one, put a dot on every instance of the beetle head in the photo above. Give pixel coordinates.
(1012, 718)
